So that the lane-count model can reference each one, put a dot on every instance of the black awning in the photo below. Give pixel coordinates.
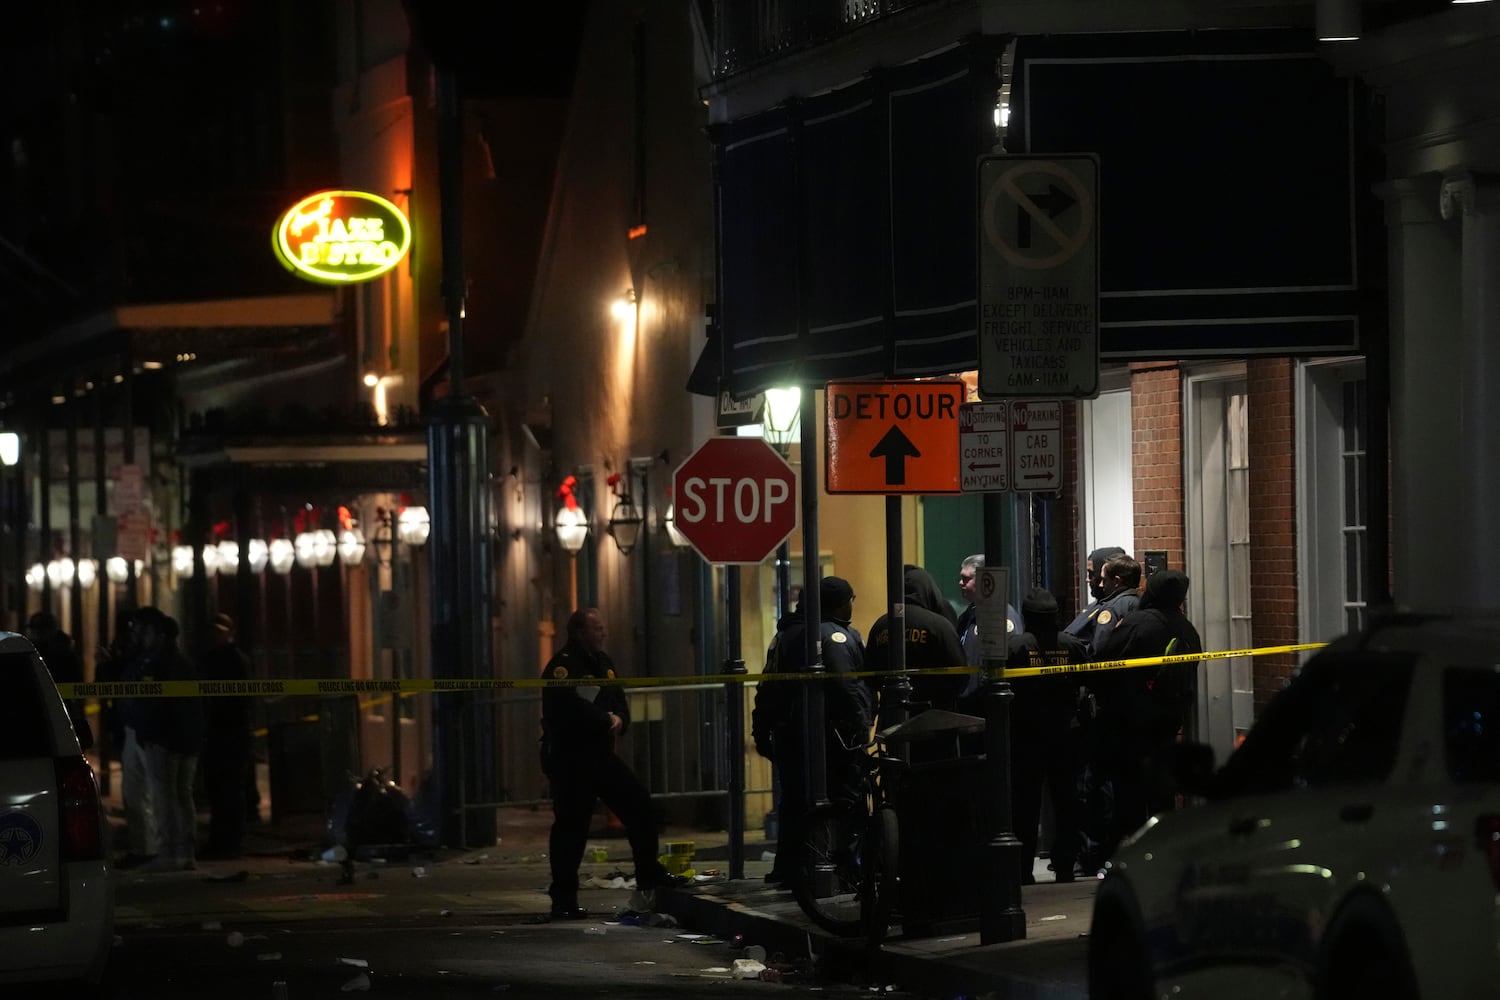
(846, 226)
(1235, 207)
(1232, 187)
(703, 380)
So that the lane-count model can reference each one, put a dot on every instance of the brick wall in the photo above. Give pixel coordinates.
(1156, 444)
(1273, 520)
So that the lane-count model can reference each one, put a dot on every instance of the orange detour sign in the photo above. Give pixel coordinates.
(893, 437)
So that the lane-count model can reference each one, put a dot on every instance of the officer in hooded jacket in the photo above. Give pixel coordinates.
(931, 641)
(580, 724)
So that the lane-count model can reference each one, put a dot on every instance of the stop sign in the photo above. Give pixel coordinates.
(735, 499)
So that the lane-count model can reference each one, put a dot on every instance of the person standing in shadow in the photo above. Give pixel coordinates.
(226, 744)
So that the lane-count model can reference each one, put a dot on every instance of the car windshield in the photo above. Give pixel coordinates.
(1338, 722)
(1471, 725)
(24, 726)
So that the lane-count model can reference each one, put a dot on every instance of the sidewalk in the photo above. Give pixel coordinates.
(1049, 964)
(509, 877)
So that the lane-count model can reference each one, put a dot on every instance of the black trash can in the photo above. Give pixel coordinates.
(940, 814)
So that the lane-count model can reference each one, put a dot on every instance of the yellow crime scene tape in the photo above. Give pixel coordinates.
(277, 688)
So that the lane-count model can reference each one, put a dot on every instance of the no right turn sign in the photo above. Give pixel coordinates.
(1038, 276)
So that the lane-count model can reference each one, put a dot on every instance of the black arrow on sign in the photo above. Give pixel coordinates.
(975, 466)
(895, 448)
(1055, 202)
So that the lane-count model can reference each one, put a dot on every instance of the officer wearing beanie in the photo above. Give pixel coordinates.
(1043, 738)
(777, 726)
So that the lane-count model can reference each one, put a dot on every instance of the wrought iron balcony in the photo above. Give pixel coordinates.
(750, 33)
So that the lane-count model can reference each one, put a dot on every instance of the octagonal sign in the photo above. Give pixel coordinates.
(735, 499)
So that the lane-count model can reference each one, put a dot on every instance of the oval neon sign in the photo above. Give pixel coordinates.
(342, 236)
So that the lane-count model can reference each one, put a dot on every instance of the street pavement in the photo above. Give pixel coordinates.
(282, 882)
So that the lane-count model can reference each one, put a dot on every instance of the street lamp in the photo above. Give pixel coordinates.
(781, 417)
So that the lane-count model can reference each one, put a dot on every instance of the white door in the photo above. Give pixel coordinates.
(1107, 506)
(1216, 475)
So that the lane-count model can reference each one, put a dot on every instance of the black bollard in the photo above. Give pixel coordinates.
(734, 697)
(1000, 915)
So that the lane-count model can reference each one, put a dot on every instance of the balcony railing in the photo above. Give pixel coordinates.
(750, 33)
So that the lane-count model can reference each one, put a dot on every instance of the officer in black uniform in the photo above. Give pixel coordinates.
(1114, 581)
(1043, 739)
(580, 724)
(777, 725)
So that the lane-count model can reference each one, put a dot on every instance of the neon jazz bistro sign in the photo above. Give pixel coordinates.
(342, 236)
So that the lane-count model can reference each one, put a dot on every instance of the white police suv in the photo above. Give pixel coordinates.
(1350, 847)
(56, 894)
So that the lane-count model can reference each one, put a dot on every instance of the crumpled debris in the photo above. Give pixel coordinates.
(358, 963)
(756, 952)
(649, 918)
(359, 984)
(268, 956)
(419, 872)
(609, 882)
(748, 968)
(594, 930)
(235, 939)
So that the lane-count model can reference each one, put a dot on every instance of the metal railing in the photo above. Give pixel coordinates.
(685, 742)
(749, 33)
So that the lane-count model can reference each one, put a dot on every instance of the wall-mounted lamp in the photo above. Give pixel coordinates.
(182, 560)
(60, 572)
(36, 577)
(625, 524)
(413, 525)
(572, 527)
(10, 448)
(622, 307)
(316, 548)
(117, 570)
(281, 554)
(351, 546)
(88, 572)
(674, 534)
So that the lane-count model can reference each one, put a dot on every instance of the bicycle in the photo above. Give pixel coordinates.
(849, 879)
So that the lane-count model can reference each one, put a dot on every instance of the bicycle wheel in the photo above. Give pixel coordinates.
(880, 852)
(828, 874)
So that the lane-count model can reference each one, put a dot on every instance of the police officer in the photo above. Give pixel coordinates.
(968, 624)
(1114, 583)
(777, 721)
(580, 724)
(1043, 738)
(931, 641)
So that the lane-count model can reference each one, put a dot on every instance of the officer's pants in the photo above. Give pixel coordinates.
(578, 783)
